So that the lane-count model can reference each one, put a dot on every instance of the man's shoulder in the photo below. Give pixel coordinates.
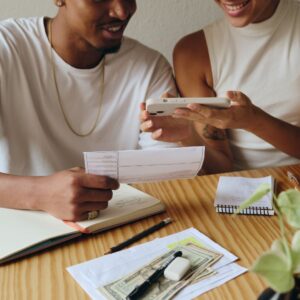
(296, 3)
(143, 65)
(12, 24)
(16, 29)
(134, 49)
(295, 7)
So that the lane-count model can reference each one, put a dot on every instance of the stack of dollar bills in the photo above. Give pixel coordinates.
(201, 260)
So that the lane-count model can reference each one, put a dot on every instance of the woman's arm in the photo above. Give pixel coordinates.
(244, 115)
(194, 79)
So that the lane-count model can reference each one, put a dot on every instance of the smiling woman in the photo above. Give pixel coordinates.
(250, 56)
(243, 12)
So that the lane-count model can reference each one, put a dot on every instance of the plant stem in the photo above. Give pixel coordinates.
(282, 231)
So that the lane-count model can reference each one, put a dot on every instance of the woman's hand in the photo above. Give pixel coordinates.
(241, 114)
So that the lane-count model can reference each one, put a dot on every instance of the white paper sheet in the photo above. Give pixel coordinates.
(233, 190)
(98, 272)
(135, 166)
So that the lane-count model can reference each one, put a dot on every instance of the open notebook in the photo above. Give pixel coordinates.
(232, 191)
(24, 232)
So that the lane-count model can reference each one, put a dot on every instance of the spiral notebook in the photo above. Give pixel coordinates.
(232, 191)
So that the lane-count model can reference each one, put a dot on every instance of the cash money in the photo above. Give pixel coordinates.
(164, 288)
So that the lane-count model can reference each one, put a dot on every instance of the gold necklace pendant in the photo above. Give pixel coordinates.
(91, 130)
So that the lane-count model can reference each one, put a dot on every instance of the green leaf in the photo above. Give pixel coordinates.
(261, 191)
(296, 241)
(296, 261)
(276, 271)
(281, 248)
(278, 248)
(296, 252)
(289, 204)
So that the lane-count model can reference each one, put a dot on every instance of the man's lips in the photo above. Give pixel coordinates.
(114, 27)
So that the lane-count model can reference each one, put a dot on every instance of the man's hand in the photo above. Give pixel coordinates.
(71, 194)
(167, 128)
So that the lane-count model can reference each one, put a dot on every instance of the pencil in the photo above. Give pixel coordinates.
(293, 179)
(139, 236)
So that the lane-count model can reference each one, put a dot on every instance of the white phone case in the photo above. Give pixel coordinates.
(166, 106)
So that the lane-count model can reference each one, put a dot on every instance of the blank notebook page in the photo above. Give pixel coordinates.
(232, 191)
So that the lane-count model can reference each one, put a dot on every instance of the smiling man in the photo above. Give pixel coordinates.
(67, 85)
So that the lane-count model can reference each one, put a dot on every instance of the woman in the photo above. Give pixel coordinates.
(251, 56)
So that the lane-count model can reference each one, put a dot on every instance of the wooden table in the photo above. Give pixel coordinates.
(190, 204)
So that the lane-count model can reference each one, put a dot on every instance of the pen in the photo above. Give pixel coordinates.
(141, 289)
(139, 236)
(293, 179)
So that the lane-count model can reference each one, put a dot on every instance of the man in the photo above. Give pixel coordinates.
(67, 85)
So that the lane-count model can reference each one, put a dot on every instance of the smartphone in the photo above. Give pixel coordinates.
(166, 106)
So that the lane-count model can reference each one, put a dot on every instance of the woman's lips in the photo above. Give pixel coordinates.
(235, 9)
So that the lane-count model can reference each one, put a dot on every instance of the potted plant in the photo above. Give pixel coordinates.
(280, 266)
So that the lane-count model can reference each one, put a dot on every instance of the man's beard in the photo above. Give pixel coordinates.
(111, 50)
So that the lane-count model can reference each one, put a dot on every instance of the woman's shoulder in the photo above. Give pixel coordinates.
(191, 56)
(196, 42)
(191, 44)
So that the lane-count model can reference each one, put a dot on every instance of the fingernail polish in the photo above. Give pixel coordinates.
(157, 133)
(179, 112)
(192, 106)
(149, 124)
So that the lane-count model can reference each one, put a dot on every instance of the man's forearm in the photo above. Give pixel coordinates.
(68, 195)
(18, 192)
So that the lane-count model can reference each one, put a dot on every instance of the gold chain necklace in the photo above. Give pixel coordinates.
(90, 131)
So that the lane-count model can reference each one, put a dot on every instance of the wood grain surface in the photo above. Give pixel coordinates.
(190, 204)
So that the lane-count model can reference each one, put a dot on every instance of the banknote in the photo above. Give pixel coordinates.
(164, 288)
(194, 278)
(205, 274)
(216, 256)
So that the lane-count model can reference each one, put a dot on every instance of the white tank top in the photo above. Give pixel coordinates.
(263, 61)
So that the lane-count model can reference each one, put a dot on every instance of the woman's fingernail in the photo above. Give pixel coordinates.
(179, 112)
(149, 124)
(193, 106)
(156, 134)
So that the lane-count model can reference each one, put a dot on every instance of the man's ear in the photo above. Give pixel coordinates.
(59, 3)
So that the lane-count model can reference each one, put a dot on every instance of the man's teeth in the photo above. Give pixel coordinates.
(114, 28)
(234, 7)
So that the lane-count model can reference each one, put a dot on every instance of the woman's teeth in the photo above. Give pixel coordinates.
(235, 7)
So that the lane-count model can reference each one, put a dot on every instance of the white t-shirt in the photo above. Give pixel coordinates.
(263, 61)
(34, 137)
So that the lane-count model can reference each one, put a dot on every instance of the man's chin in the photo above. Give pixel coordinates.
(110, 50)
